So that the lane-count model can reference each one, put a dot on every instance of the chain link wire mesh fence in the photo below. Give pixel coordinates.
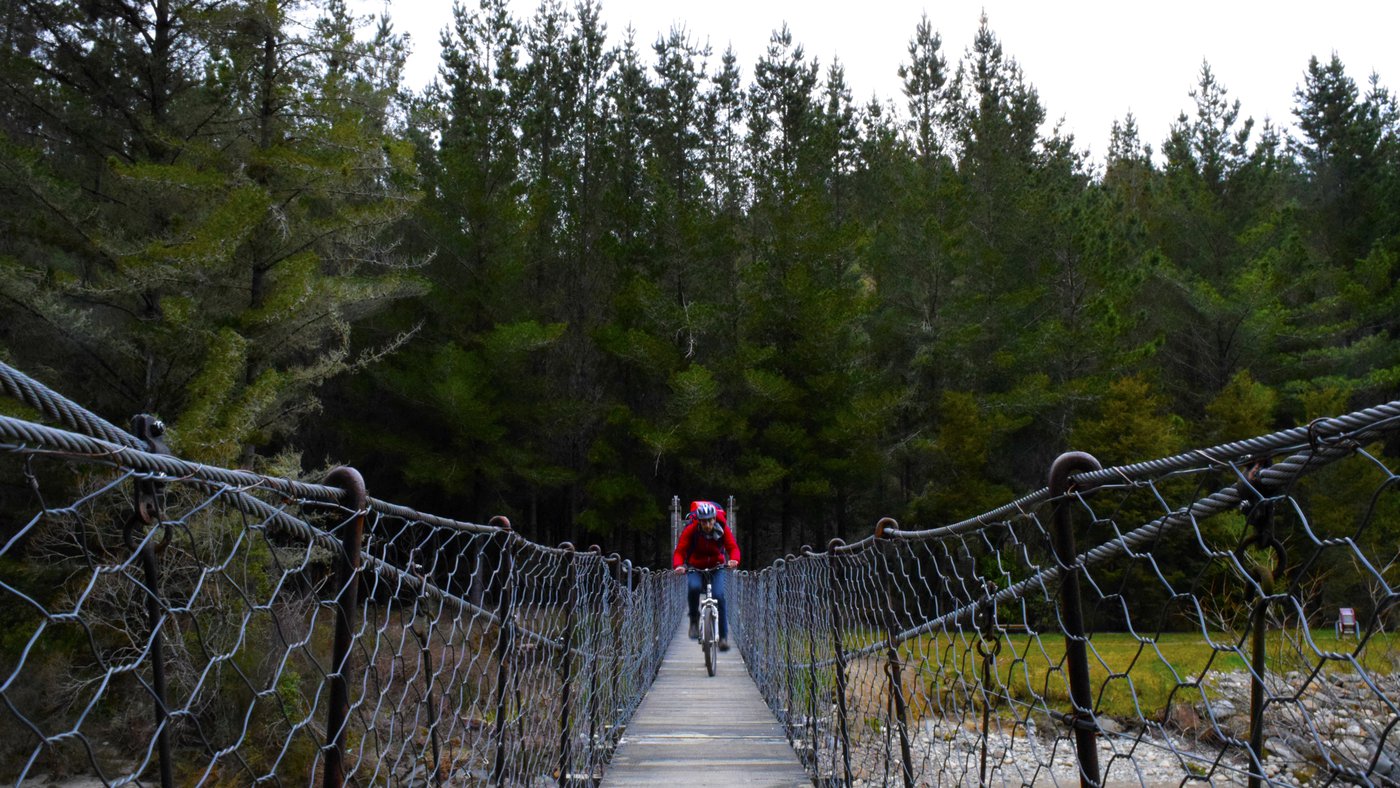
(163, 622)
(1170, 622)
(1181, 620)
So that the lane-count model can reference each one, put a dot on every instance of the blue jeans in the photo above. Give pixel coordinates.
(695, 583)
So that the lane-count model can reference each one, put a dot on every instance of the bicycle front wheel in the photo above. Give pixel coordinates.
(709, 640)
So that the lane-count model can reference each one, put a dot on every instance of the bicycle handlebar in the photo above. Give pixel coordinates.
(696, 570)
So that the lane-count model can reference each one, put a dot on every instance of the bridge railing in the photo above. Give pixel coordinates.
(168, 622)
(1166, 621)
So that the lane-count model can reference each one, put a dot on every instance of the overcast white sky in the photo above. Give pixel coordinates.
(1092, 61)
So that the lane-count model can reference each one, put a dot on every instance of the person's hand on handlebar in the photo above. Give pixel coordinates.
(682, 569)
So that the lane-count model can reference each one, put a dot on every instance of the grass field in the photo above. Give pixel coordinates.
(1129, 678)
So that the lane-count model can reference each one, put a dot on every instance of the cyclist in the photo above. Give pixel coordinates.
(706, 543)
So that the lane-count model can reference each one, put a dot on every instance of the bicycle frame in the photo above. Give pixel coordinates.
(709, 621)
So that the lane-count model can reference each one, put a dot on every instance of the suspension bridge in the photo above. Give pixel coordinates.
(171, 623)
(693, 730)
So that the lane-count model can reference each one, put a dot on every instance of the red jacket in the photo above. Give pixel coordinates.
(694, 549)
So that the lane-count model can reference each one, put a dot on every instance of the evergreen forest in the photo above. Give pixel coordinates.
(587, 270)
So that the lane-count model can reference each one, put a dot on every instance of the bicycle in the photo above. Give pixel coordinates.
(709, 622)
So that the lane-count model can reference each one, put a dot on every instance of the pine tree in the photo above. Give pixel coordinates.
(650, 336)
(806, 408)
(1342, 155)
(1339, 153)
(912, 204)
(997, 116)
(1209, 195)
(1339, 317)
(206, 196)
(461, 414)
(924, 79)
(723, 139)
(1128, 169)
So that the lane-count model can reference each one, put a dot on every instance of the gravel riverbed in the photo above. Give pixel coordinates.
(1317, 728)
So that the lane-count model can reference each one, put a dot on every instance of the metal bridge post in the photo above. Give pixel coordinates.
(615, 606)
(425, 643)
(148, 512)
(631, 602)
(654, 635)
(566, 663)
(598, 611)
(987, 635)
(893, 670)
(347, 600)
(675, 519)
(505, 574)
(1259, 513)
(811, 632)
(657, 596)
(834, 580)
(785, 631)
(1081, 716)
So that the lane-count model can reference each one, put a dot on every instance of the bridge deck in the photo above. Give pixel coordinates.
(694, 730)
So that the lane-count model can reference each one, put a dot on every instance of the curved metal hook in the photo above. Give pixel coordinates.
(885, 524)
(1065, 466)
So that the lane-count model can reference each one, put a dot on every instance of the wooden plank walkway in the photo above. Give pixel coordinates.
(694, 730)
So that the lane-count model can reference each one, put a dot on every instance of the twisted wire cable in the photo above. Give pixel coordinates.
(1212, 581)
(44, 399)
(200, 603)
(56, 406)
(140, 580)
(1374, 419)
